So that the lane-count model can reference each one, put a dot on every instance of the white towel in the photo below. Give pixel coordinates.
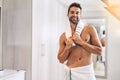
(80, 73)
(67, 73)
(68, 32)
(79, 29)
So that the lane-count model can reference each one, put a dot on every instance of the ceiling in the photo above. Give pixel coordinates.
(86, 4)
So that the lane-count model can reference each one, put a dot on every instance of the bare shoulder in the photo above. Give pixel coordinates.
(102, 41)
(62, 37)
(90, 28)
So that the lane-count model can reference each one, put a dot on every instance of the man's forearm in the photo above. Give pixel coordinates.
(91, 48)
(64, 55)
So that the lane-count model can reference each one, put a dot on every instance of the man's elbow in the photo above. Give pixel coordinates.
(60, 60)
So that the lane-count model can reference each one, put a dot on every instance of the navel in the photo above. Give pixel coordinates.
(80, 58)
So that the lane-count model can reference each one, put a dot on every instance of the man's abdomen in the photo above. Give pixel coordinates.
(79, 57)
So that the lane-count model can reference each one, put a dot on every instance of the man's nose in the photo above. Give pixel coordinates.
(75, 14)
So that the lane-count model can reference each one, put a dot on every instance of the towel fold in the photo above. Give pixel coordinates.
(80, 73)
(79, 29)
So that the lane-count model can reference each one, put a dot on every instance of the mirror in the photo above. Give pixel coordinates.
(99, 61)
(0, 34)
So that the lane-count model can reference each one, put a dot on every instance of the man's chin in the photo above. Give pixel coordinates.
(75, 23)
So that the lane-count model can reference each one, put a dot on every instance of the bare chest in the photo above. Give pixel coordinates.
(85, 35)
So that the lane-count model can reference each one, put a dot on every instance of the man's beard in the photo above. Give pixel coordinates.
(74, 20)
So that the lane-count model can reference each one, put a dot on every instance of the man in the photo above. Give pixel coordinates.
(78, 58)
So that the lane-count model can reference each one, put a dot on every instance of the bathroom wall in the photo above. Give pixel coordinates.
(0, 2)
(17, 39)
(0, 35)
(45, 40)
(113, 48)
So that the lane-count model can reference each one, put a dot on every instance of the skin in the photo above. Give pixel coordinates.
(86, 43)
(103, 41)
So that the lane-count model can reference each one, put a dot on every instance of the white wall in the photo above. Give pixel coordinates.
(17, 39)
(0, 34)
(45, 40)
(113, 48)
(7, 20)
(0, 3)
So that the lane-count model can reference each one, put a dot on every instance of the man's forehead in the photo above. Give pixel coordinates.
(75, 9)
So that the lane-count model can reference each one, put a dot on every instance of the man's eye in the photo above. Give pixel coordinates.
(77, 12)
(72, 12)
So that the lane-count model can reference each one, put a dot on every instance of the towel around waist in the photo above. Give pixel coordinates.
(87, 68)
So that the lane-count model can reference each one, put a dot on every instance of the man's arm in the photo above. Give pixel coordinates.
(95, 45)
(64, 50)
(103, 41)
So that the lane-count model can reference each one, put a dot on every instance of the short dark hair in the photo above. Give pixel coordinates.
(75, 4)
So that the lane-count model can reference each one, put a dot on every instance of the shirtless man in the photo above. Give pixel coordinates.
(78, 56)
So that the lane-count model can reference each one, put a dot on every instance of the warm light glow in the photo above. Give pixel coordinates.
(113, 6)
(114, 2)
(114, 11)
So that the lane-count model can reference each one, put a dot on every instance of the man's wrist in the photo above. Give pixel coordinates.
(67, 48)
(81, 43)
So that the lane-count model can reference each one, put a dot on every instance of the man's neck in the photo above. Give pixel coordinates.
(73, 27)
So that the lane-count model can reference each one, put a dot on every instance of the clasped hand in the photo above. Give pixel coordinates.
(76, 38)
(73, 39)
